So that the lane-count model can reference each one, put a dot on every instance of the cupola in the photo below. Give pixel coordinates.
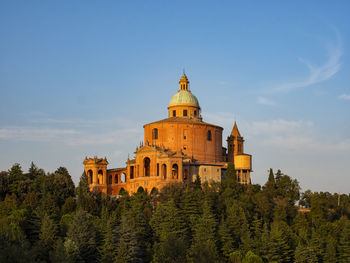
(184, 103)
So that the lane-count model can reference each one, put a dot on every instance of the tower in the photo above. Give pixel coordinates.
(96, 171)
(236, 155)
(235, 144)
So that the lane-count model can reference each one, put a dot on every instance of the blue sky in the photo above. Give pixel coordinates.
(81, 78)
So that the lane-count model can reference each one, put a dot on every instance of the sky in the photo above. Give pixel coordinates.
(81, 78)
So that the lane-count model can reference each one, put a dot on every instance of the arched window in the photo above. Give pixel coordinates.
(164, 171)
(146, 166)
(100, 177)
(209, 135)
(195, 113)
(174, 113)
(89, 174)
(116, 179)
(175, 171)
(131, 172)
(123, 178)
(155, 134)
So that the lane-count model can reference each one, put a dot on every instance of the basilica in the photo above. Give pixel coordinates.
(176, 149)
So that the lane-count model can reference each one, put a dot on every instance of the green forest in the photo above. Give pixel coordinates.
(44, 217)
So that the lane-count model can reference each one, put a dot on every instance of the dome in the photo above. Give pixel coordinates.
(183, 97)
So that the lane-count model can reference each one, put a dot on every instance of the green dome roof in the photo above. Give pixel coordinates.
(183, 97)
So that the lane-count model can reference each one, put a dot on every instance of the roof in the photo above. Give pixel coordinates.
(183, 120)
(183, 97)
(235, 131)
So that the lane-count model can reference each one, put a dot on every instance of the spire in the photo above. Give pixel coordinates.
(184, 82)
(235, 131)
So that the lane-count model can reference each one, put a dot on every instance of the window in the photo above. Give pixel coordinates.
(146, 166)
(164, 171)
(155, 134)
(185, 147)
(205, 169)
(185, 113)
(131, 172)
(90, 177)
(157, 169)
(195, 113)
(209, 135)
(123, 178)
(174, 113)
(175, 171)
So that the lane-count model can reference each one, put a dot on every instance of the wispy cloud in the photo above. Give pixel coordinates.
(265, 101)
(71, 137)
(344, 97)
(299, 136)
(318, 73)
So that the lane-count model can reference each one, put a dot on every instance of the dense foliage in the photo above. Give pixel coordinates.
(44, 218)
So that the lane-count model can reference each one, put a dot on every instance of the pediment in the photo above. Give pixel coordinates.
(146, 148)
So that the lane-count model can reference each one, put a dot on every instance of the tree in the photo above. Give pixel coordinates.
(47, 237)
(250, 257)
(169, 225)
(344, 241)
(226, 240)
(15, 177)
(204, 248)
(305, 254)
(81, 238)
(69, 206)
(64, 186)
(4, 190)
(122, 252)
(237, 224)
(279, 248)
(191, 205)
(271, 177)
(108, 250)
(134, 231)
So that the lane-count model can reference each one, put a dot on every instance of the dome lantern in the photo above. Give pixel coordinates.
(184, 103)
(184, 82)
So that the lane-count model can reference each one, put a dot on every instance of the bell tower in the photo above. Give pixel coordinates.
(234, 144)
